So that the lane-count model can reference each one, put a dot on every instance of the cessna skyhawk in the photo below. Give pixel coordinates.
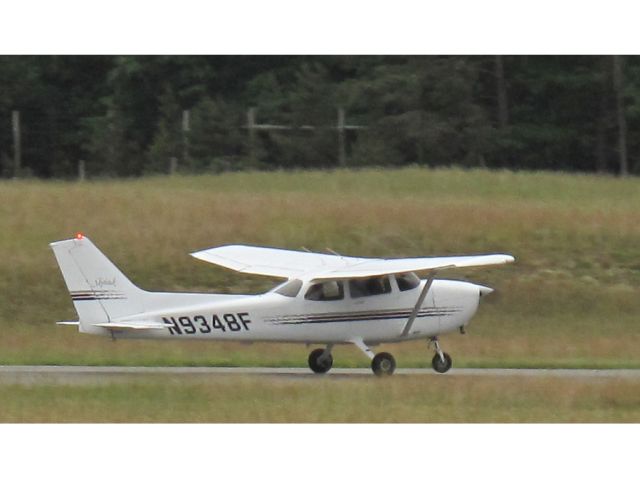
(326, 299)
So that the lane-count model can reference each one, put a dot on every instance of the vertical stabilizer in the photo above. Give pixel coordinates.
(99, 290)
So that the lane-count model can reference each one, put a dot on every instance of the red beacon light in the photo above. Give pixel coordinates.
(79, 236)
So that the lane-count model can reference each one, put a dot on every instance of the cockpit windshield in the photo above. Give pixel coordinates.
(407, 281)
(290, 288)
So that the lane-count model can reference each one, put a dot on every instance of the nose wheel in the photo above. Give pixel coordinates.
(441, 361)
(320, 360)
(441, 365)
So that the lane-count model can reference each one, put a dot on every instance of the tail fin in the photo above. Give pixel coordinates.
(100, 292)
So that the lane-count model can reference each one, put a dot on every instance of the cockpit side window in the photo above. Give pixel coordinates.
(325, 291)
(407, 281)
(290, 288)
(369, 286)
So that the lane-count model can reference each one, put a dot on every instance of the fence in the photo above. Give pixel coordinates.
(252, 127)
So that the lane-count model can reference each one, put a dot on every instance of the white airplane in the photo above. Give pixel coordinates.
(327, 299)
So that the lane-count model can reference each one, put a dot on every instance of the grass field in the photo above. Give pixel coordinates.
(570, 300)
(327, 399)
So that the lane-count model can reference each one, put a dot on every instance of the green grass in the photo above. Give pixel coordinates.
(572, 299)
(327, 399)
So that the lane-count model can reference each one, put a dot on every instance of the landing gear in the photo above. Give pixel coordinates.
(383, 364)
(441, 365)
(320, 360)
(441, 362)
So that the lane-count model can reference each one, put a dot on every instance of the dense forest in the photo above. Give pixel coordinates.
(134, 115)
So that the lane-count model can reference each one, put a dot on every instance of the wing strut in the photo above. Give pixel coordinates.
(416, 308)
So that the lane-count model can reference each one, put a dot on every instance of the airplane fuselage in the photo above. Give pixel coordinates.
(273, 317)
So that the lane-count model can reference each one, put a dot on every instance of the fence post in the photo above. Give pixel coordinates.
(186, 127)
(173, 165)
(251, 126)
(81, 170)
(342, 153)
(17, 147)
(618, 88)
(5, 161)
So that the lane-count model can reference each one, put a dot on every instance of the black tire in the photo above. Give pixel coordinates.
(439, 366)
(317, 366)
(383, 364)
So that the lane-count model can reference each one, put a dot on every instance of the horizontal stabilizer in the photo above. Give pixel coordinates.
(69, 323)
(131, 326)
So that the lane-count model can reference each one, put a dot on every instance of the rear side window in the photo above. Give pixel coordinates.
(290, 288)
(369, 286)
(326, 291)
(407, 281)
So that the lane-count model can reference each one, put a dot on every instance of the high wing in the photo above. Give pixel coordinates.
(295, 264)
(280, 263)
(375, 267)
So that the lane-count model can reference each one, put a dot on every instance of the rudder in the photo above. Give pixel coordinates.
(99, 290)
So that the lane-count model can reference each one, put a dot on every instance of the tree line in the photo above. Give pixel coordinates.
(135, 115)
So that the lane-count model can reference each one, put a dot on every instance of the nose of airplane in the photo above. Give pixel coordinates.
(484, 290)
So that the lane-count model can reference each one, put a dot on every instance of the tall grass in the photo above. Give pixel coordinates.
(571, 298)
(327, 399)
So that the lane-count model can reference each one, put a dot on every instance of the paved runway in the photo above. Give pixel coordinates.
(106, 374)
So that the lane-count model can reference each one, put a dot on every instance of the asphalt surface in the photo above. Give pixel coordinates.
(106, 374)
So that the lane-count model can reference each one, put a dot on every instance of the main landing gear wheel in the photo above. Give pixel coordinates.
(439, 365)
(319, 362)
(383, 364)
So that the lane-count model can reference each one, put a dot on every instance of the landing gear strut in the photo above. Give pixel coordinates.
(382, 364)
(441, 362)
(320, 360)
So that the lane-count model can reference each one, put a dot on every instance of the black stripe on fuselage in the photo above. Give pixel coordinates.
(367, 314)
(100, 295)
(350, 320)
(362, 317)
(95, 299)
(96, 295)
